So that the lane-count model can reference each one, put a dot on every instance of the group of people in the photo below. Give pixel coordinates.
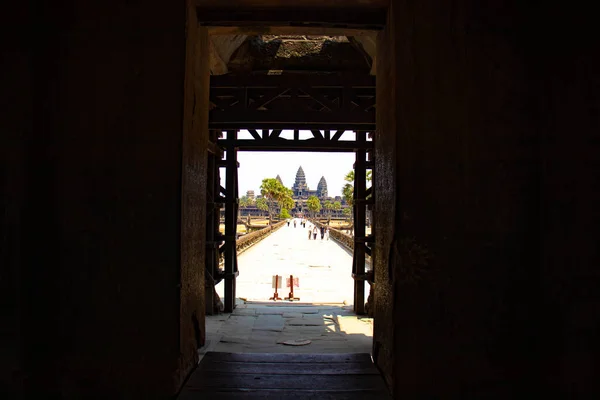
(316, 230)
(313, 230)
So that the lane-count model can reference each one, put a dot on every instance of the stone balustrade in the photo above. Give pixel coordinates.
(343, 239)
(250, 239)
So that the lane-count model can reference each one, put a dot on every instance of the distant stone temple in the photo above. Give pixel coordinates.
(300, 194)
(301, 191)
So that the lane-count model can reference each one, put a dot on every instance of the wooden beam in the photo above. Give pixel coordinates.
(254, 134)
(243, 118)
(338, 135)
(300, 145)
(317, 134)
(315, 4)
(319, 98)
(230, 254)
(360, 183)
(275, 133)
(214, 149)
(349, 17)
(259, 103)
(299, 127)
(323, 80)
(254, 30)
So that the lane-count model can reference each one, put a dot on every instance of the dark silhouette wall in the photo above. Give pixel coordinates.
(492, 177)
(106, 280)
(486, 162)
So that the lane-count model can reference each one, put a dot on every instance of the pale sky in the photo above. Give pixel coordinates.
(255, 166)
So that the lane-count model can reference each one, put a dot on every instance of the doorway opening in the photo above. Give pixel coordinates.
(289, 256)
(288, 91)
(312, 199)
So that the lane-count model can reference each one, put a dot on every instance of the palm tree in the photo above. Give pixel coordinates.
(348, 189)
(261, 204)
(327, 205)
(337, 205)
(347, 211)
(284, 214)
(243, 202)
(314, 205)
(276, 194)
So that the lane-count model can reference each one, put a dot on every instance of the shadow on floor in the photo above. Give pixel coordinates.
(257, 327)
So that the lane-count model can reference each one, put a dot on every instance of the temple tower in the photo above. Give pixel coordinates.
(300, 187)
(322, 188)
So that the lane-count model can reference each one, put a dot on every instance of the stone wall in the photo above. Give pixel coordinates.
(193, 196)
(486, 183)
(485, 177)
(97, 179)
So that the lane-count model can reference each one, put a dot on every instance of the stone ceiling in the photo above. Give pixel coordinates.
(298, 53)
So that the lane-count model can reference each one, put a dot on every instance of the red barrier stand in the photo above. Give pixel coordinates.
(291, 282)
(276, 284)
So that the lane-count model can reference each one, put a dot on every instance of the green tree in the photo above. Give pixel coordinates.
(243, 202)
(337, 205)
(314, 205)
(350, 176)
(284, 214)
(347, 211)
(327, 206)
(348, 188)
(348, 193)
(286, 202)
(276, 194)
(261, 204)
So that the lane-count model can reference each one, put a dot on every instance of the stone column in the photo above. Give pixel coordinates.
(111, 223)
(485, 136)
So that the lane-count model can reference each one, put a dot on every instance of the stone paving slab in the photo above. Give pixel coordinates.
(241, 339)
(322, 266)
(244, 311)
(260, 337)
(291, 315)
(330, 329)
(271, 310)
(306, 321)
(307, 332)
(267, 322)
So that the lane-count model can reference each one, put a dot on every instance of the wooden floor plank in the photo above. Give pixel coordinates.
(283, 395)
(285, 377)
(285, 358)
(290, 368)
(266, 381)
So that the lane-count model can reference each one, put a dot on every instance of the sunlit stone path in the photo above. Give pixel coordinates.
(323, 267)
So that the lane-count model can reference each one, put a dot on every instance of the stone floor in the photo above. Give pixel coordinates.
(323, 267)
(322, 321)
(266, 328)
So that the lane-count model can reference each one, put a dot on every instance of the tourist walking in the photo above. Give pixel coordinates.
(327, 233)
(309, 232)
(322, 232)
(315, 231)
(294, 222)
